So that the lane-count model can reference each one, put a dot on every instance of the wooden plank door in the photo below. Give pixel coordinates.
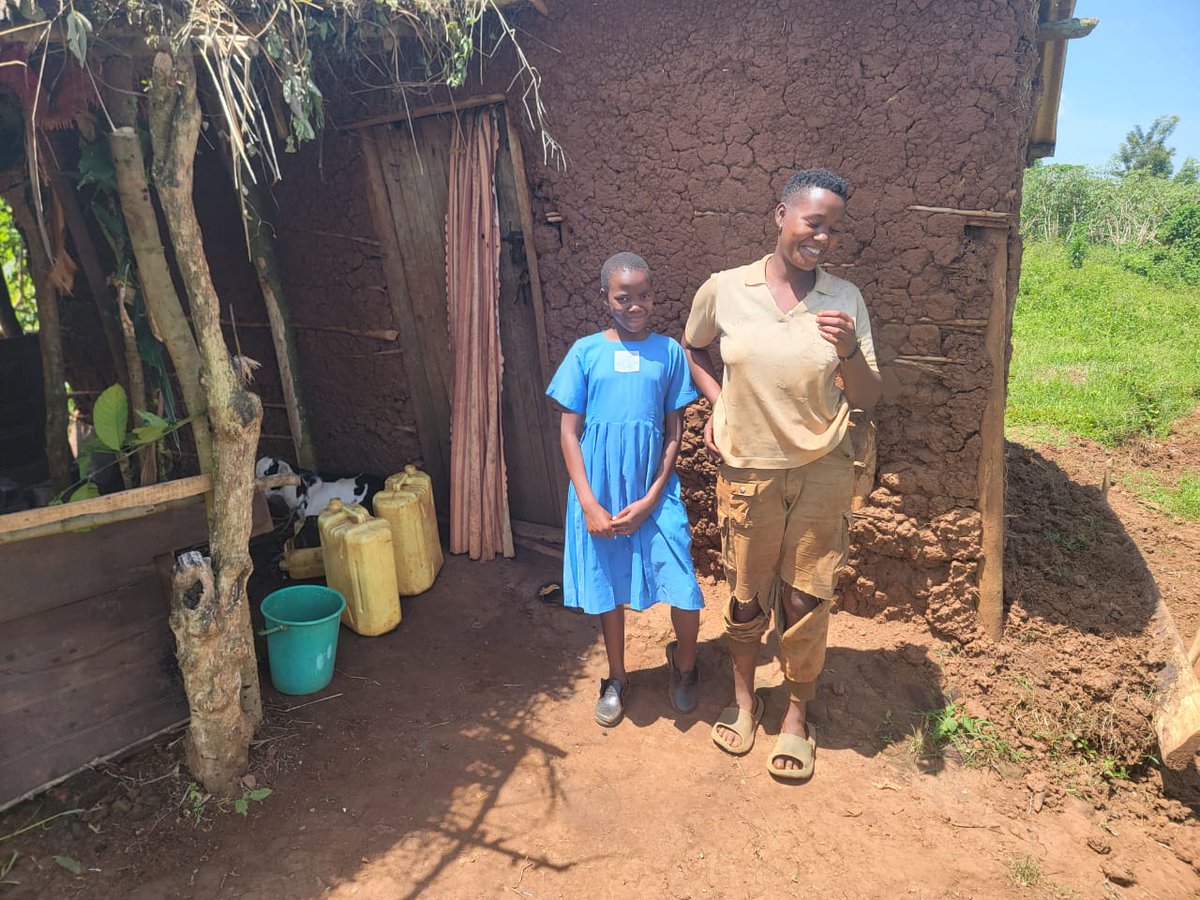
(410, 217)
(537, 478)
(408, 185)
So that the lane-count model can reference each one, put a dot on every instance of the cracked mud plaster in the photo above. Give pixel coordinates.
(680, 123)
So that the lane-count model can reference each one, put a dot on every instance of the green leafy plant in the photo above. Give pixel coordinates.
(194, 802)
(110, 419)
(241, 805)
(1077, 246)
(14, 261)
(1106, 765)
(1069, 542)
(976, 740)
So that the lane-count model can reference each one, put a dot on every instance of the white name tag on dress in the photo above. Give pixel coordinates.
(627, 361)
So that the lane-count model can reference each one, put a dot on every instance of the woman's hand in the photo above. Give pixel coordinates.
(630, 519)
(709, 444)
(598, 520)
(838, 328)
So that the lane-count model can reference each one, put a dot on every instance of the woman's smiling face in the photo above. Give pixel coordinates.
(809, 227)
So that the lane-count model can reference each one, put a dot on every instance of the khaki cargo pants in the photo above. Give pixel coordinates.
(785, 528)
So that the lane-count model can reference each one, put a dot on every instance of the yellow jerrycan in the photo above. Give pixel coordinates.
(406, 504)
(360, 565)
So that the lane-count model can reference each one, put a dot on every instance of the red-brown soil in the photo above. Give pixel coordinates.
(457, 757)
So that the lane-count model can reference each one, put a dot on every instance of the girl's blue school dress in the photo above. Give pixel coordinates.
(624, 389)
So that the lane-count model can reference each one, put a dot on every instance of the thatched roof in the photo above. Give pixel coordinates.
(261, 56)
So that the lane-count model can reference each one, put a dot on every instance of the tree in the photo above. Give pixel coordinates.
(1189, 171)
(1147, 151)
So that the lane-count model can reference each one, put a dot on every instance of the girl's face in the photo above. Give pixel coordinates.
(630, 299)
(809, 227)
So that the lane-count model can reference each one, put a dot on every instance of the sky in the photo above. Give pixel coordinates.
(1142, 61)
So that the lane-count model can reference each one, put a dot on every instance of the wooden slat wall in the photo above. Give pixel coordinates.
(87, 662)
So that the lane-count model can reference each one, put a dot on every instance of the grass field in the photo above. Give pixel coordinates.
(1099, 351)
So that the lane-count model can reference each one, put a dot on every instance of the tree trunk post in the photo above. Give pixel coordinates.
(262, 246)
(234, 412)
(10, 325)
(162, 302)
(93, 271)
(218, 737)
(253, 200)
(147, 459)
(54, 378)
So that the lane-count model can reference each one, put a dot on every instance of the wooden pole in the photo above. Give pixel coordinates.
(1066, 29)
(1177, 700)
(54, 378)
(865, 438)
(93, 272)
(973, 213)
(119, 507)
(158, 289)
(234, 412)
(147, 456)
(423, 111)
(254, 200)
(287, 354)
(991, 451)
(283, 336)
(525, 209)
(141, 221)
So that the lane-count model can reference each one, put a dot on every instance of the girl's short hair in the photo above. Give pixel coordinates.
(619, 262)
(815, 179)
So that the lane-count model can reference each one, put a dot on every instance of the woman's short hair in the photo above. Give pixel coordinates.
(813, 179)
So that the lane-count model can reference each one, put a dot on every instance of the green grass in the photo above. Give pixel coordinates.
(977, 741)
(1024, 871)
(1181, 499)
(1099, 351)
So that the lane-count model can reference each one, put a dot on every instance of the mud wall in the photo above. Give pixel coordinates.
(680, 123)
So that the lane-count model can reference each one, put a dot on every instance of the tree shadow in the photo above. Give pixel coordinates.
(867, 700)
(386, 776)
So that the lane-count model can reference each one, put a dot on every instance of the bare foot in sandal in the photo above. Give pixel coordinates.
(793, 723)
(727, 734)
(741, 725)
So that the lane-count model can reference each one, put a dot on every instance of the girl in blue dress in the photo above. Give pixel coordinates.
(627, 537)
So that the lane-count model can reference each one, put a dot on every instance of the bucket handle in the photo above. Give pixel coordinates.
(269, 631)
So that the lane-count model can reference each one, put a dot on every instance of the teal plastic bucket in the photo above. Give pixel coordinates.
(302, 632)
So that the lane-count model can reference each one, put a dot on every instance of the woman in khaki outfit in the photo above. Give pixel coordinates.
(785, 330)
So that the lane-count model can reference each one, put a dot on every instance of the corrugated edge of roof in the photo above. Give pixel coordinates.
(1050, 76)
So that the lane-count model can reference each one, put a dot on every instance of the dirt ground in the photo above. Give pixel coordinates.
(457, 756)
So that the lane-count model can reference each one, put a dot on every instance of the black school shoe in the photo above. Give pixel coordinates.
(610, 708)
(683, 690)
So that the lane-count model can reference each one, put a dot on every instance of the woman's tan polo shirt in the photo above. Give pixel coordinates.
(779, 406)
